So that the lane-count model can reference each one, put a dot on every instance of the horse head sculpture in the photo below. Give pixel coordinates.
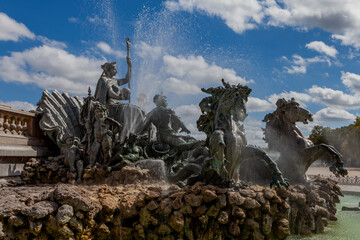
(233, 100)
(292, 112)
(297, 153)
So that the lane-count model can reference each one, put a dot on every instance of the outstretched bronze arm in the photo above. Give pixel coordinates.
(177, 123)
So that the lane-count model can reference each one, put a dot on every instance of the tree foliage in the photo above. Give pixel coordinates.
(346, 139)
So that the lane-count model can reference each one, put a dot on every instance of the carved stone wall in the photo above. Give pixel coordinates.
(20, 139)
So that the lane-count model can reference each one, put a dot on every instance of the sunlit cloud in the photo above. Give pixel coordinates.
(19, 105)
(321, 47)
(179, 87)
(341, 18)
(238, 15)
(51, 68)
(300, 64)
(333, 115)
(104, 47)
(11, 30)
(352, 81)
(194, 69)
(259, 105)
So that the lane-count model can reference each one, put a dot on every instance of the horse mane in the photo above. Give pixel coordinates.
(209, 105)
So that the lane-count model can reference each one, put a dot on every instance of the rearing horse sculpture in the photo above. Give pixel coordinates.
(296, 152)
(225, 136)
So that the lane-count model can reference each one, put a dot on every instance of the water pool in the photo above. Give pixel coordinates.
(347, 226)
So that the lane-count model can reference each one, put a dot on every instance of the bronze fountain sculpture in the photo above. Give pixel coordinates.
(226, 137)
(114, 141)
(297, 153)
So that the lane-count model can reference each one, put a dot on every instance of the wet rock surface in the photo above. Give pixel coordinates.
(162, 211)
(39, 209)
(41, 170)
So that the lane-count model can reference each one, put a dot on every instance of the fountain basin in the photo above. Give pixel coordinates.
(347, 225)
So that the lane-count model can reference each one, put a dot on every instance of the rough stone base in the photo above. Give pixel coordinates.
(42, 170)
(162, 211)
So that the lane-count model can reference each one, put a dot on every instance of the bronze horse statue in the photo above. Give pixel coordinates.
(221, 113)
(297, 153)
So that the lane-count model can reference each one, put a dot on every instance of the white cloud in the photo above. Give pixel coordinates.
(341, 18)
(264, 105)
(300, 64)
(108, 50)
(146, 51)
(195, 70)
(183, 75)
(352, 81)
(296, 69)
(180, 87)
(321, 47)
(10, 30)
(254, 133)
(194, 132)
(51, 68)
(26, 106)
(238, 15)
(299, 97)
(330, 15)
(320, 95)
(333, 115)
(188, 113)
(73, 20)
(350, 37)
(104, 47)
(333, 98)
(259, 105)
(353, 54)
(51, 43)
(338, 17)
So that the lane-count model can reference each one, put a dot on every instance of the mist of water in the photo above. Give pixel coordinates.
(156, 33)
(101, 21)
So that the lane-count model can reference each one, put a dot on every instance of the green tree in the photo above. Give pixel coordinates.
(346, 139)
(317, 135)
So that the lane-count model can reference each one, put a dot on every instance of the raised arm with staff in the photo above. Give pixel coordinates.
(108, 89)
(111, 92)
(128, 59)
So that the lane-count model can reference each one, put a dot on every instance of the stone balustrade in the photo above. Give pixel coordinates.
(17, 122)
(347, 180)
(13, 124)
(20, 139)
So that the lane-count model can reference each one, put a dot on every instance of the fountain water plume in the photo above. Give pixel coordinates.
(157, 33)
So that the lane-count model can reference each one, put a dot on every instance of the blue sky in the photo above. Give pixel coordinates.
(287, 48)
